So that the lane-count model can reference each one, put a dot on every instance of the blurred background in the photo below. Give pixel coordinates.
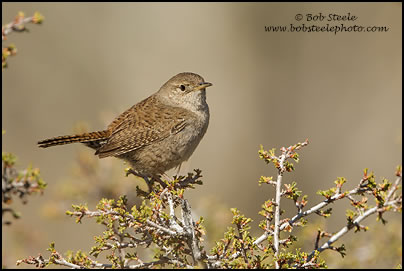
(89, 62)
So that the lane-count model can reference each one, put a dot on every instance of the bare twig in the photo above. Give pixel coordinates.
(278, 206)
(345, 229)
(18, 24)
(189, 228)
(173, 223)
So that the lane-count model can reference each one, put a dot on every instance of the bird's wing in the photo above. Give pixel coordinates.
(145, 123)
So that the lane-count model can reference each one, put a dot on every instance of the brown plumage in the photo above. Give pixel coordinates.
(82, 138)
(156, 134)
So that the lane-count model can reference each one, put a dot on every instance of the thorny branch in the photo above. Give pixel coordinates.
(18, 25)
(388, 203)
(178, 238)
(21, 183)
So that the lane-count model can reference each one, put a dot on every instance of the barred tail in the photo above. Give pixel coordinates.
(82, 138)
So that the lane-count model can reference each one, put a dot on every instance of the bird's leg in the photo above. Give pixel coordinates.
(149, 181)
(159, 180)
(178, 170)
(168, 178)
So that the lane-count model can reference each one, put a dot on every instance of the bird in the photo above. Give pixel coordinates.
(156, 134)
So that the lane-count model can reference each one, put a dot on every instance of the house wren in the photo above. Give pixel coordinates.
(158, 133)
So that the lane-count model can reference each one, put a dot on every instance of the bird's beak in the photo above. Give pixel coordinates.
(203, 86)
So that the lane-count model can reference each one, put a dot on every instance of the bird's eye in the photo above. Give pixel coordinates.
(182, 87)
